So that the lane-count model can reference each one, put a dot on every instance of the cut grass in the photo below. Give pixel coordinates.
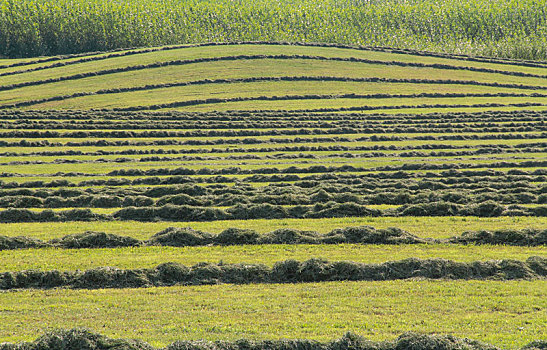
(113, 210)
(394, 160)
(172, 95)
(218, 51)
(322, 311)
(508, 313)
(243, 147)
(248, 68)
(77, 179)
(376, 106)
(428, 227)
(234, 50)
(352, 137)
(328, 155)
(104, 168)
(149, 257)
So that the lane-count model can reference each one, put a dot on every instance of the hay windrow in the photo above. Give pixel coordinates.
(330, 209)
(84, 339)
(288, 271)
(524, 237)
(188, 237)
(90, 239)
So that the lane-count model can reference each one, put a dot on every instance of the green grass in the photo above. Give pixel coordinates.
(104, 168)
(326, 155)
(113, 210)
(78, 179)
(171, 95)
(508, 314)
(264, 145)
(148, 257)
(233, 50)
(352, 137)
(95, 210)
(246, 68)
(454, 103)
(258, 68)
(431, 227)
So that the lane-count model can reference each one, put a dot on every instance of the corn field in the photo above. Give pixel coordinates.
(501, 28)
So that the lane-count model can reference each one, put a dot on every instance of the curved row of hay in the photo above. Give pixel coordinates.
(98, 80)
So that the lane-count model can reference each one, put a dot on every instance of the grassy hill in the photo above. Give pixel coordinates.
(243, 77)
(273, 153)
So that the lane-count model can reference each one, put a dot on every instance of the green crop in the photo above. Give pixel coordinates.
(489, 27)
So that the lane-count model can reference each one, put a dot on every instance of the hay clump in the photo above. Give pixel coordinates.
(180, 237)
(20, 242)
(91, 239)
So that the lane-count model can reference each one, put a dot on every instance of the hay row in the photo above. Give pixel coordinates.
(219, 120)
(85, 339)
(295, 156)
(264, 57)
(289, 123)
(239, 141)
(188, 103)
(261, 116)
(188, 237)
(452, 176)
(269, 211)
(335, 130)
(537, 175)
(134, 51)
(440, 148)
(288, 271)
(368, 192)
(290, 79)
(296, 170)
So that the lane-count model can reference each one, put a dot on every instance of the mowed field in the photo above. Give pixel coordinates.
(268, 191)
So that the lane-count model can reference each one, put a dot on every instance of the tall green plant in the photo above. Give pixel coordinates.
(504, 28)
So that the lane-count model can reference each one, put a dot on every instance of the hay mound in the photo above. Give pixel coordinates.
(525, 237)
(180, 237)
(536, 345)
(21, 242)
(91, 239)
(290, 236)
(370, 235)
(111, 277)
(418, 341)
(78, 339)
(236, 236)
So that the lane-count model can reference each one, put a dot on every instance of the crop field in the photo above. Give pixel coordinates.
(266, 191)
(514, 29)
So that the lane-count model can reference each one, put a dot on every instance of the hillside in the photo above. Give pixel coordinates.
(243, 77)
(268, 191)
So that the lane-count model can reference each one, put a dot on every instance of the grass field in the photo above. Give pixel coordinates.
(267, 137)
(379, 310)
(428, 227)
(131, 258)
